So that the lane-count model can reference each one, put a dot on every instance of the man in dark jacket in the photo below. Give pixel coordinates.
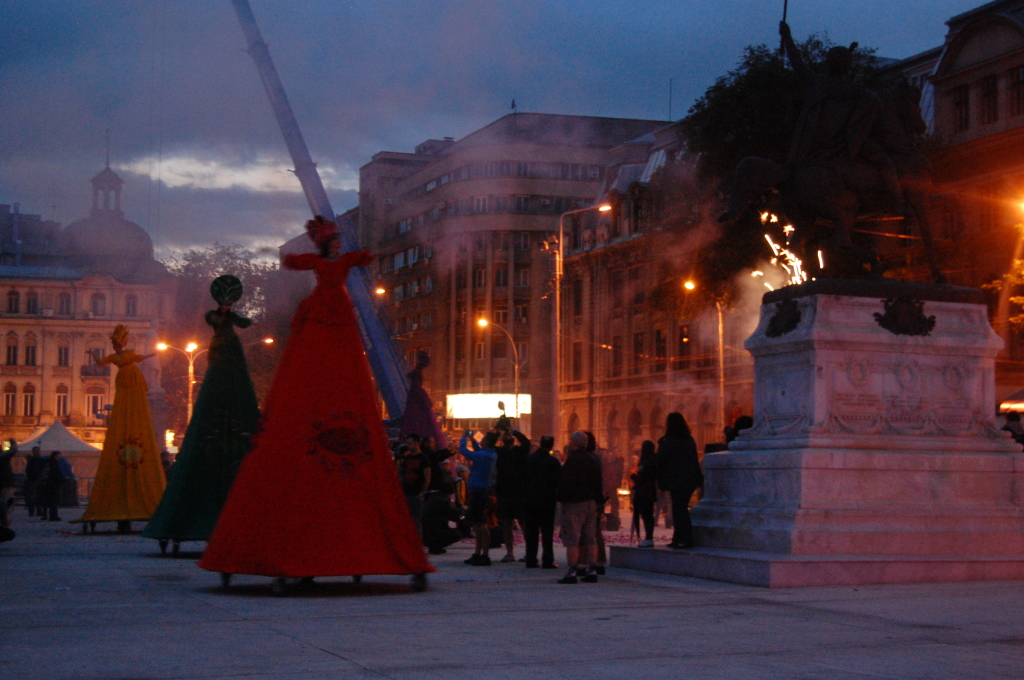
(541, 474)
(679, 473)
(513, 448)
(33, 472)
(579, 491)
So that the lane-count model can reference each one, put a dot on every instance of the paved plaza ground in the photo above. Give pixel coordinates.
(109, 606)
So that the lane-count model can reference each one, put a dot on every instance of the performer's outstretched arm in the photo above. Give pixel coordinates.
(795, 60)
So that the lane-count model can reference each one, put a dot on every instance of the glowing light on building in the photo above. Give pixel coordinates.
(486, 405)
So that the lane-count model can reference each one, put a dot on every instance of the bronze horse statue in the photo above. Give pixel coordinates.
(890, 178)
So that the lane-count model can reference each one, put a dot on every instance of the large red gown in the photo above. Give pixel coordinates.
(318, 495)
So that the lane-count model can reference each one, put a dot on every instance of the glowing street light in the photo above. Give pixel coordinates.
(484, 323)
(604, 208)
(268, 341)
(689, 285)
(380, 291)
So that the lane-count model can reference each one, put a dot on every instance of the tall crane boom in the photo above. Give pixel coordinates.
(385, 358)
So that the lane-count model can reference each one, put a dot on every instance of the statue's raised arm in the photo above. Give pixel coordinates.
(795, 60)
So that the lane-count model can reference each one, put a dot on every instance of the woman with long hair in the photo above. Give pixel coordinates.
(317, 495)
(679, 473)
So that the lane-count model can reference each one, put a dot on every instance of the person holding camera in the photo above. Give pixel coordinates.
(579, 491)
(483, 458)
(512, 451)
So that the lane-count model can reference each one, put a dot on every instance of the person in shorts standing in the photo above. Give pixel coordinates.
(579, 492)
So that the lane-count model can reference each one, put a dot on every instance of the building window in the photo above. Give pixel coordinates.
(522, 277)
(460, 280)
(522, 313)
(62, 401)
(961, 108)
(638, 353)
(501, 277)
(479, 352)
(428, 320)
(479, 278)
(989, 99)
(524, 352)
(428, 284)
(131, 306)
(13, 302)
(501, 315)
(95, 404)
(10, 399)
(577, 297)
(616, 356)
(479, 204)
(32, 303)
(522, 204)
(499, 349)
(64, 307)
(660, 349)
(29, 400)
(522, 240)
(684, 349)
(30, 352)
(577, 361)
(1015, 93)
(64, 355)
(12, 350)
(99, 304)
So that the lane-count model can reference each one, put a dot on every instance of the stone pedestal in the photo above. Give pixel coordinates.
(874, 456)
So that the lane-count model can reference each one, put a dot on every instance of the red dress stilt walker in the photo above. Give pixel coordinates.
(318, 494)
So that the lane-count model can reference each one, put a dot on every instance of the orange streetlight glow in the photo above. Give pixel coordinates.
(482, 323)
(191, 347)
(269, 341)
(161, 346)
(605, 208)
(380, 291)
(689, 285)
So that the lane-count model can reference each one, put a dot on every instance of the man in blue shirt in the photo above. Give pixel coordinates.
(482, 456)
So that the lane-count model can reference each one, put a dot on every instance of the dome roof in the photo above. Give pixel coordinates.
(106, 242)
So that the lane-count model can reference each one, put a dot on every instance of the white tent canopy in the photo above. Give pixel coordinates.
(56, 438)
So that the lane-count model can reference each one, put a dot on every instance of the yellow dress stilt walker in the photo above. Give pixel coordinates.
(130, 478)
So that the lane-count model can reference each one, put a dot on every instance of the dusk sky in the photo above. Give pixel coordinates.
(171, 81)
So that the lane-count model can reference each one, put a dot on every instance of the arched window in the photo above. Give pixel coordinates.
(94, 400)
(30, 350)
(64, 304)
(32, 303)
(13, 302)
(10, 399)
(657, 423)
(131, 305)
(635, 424)
(574, 423)
(28, 394)
(613, 430)
(94, 348)
(99, 304)
(62, 401)
(12, 349)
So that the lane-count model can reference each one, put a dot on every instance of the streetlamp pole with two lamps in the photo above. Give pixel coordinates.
(191, 354)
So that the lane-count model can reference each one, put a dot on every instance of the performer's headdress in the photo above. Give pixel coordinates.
(321, 230)
(120, 335)
(226, 289)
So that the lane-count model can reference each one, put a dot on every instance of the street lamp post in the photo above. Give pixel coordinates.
(559, 253)
(483, 323)
(690, 285)
(191, 354)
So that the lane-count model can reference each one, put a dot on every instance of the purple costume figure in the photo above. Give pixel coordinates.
(419, 414)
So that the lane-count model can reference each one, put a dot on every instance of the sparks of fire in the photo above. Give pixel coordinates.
(784, 257)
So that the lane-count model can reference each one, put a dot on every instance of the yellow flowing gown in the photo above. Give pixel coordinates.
(129, 479)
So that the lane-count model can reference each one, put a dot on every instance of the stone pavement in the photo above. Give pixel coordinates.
(108, 606)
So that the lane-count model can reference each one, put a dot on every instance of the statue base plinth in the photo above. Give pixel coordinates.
(874, 456)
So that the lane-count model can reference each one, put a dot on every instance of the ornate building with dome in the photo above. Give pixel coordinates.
(62, 291)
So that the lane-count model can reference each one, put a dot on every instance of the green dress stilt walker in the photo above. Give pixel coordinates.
(225, 416)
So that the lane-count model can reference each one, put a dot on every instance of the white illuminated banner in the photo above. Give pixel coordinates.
(486, 405)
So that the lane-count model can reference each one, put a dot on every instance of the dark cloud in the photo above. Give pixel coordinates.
(172, 76)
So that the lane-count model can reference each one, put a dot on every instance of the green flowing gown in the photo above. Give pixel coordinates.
(225, 416)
